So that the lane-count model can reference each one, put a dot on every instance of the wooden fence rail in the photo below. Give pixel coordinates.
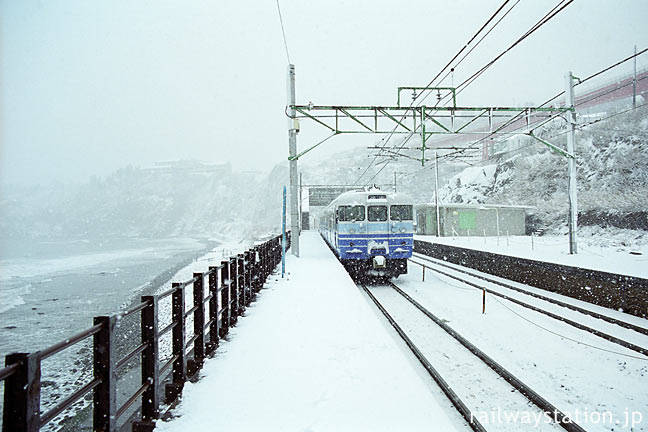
(230, 287)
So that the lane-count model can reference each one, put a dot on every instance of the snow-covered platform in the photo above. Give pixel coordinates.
(311, 354)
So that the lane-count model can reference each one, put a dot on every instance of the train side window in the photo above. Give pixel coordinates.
(400, 213)
(351, 213)
(377, 213)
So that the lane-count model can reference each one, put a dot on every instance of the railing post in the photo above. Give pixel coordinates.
(173, 389)
(248, 277)
(269, 257)
(150, 366)
(213, 310)
(225, 298)
(242, 287)
(21, 407)
(199, 325)
(264, 261)
(233, 288)
(255, 271)
(240, 276)
(259, 267)
(105, 394)
(271, 254)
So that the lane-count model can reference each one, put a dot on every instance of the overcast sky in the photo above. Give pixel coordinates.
(90, 86)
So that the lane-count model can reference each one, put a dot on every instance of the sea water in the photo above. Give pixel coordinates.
(52, 289)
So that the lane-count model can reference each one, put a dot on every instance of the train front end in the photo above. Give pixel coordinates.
(372, 231)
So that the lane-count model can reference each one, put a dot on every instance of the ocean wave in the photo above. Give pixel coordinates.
(12, 297)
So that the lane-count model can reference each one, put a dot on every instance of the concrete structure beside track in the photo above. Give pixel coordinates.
(471, 219)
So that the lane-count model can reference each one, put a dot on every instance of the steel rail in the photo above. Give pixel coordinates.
(68, 402)
(8, 371)
(167, 366)
(191, 341)
(193, 309)
(604, 317)
(51, 350)
(138, 350)
(167, 329)
(554, 413)
(207, 325)
(445, 387)
(572, 323)
(133, 399)
(136, 308)
(167, 293)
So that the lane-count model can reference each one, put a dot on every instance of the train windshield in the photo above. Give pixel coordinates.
(377, 213)
(400, 213)
(351, 213)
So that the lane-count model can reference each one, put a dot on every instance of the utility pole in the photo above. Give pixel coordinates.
(634, 81)
(571, 162)
(283, 235)
(394, 181)
(293, 128)
(436, 192)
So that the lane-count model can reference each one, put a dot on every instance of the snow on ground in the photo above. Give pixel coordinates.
(199, 265)
(311, 354)
(598, 252)
(594, 381)
(478, 386)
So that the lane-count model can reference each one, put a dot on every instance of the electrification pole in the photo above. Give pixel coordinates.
(293, 128)
(571, 162)
(301, 212)
(436, 193)
(634, 81)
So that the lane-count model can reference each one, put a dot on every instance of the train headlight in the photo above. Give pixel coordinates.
(352, 230)
(402, 229)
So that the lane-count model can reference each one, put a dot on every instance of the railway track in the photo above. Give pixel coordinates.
(428, 337)
(607, 326)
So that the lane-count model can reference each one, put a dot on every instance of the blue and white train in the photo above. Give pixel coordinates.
(371, 231)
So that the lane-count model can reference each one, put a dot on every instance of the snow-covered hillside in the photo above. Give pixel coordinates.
(149, 203)
(612, 182)
(612, 160)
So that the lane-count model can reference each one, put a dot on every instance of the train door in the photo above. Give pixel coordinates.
(335, 228)
(377, 228)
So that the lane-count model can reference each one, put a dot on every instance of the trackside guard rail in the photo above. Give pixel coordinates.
(217, 304)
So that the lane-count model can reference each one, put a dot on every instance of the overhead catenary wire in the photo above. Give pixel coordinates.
(578, 128)
(485, 25)
(472, 145)
(545, 19)
(472, 49)
(471, 40)
(386, 140)
(283, 32)
(454, 155)
(562, 4)
(594, 75)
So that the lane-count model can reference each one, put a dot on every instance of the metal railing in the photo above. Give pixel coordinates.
(231, 286)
